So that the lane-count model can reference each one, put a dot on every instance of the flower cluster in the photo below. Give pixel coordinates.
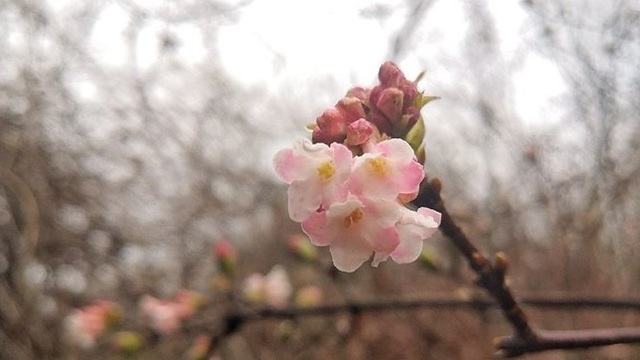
(165, 316)
(85, 325)
(348, 187)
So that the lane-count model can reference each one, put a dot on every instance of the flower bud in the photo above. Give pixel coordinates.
(302, 248)
(309, 296)
(390, 104)
(390, 75)
(226, 255)
(127, 342)
(199, 348)
(332, 124)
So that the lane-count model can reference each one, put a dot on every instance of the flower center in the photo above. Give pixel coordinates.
(378, 165)
(353, 218)
(326, 170)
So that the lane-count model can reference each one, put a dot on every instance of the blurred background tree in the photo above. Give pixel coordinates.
(129, 141)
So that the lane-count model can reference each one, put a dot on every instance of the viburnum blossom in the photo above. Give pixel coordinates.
(388, 169)
(85, 325)
(349, 187)
(413, 228)
(316, 174)
(355, 229)
(273, 289)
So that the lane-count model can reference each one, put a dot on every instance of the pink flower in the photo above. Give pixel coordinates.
(316, 174)
(413, 228)
(273, 289)
(165, 316)
(187, 302)
(354, 229)
(85, 325)
(387, 170)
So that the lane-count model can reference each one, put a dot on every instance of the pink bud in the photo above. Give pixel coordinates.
(310, 295)
(302, 248)
(390, 104)
(226, 255)
(359, 132)
(332, 124)
(352, 109)
(390, 75)
(359, 93)
(331, 127)
(199, 348)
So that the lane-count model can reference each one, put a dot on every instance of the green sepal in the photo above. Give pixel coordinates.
(420, 101)
(415, 136)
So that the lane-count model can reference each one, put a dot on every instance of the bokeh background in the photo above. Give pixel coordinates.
(135, 133)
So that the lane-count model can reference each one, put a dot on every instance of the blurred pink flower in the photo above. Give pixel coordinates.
(316, 174)
(273, 289)
(83, 326)
(165, 316)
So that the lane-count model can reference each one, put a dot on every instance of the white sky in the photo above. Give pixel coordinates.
(312, 38)
(288, 41)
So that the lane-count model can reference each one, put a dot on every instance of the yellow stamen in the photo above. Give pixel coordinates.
(326, 170)
(378, 165)
(353, 218)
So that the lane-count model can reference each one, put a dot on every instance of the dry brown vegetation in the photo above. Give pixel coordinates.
(123, 194)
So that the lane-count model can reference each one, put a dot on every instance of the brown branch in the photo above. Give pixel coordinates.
(508, 346)
(512, 346)
(491, 276)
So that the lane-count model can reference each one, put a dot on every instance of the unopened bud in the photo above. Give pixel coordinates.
(390, 104)
(199, 348)
(302, 248)
(226, 255)
(309, 296)
(127, 342)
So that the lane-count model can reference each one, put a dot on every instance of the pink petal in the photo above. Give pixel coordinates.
(348, 255)
(412, 175)
(302, 201)
(315, 227)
